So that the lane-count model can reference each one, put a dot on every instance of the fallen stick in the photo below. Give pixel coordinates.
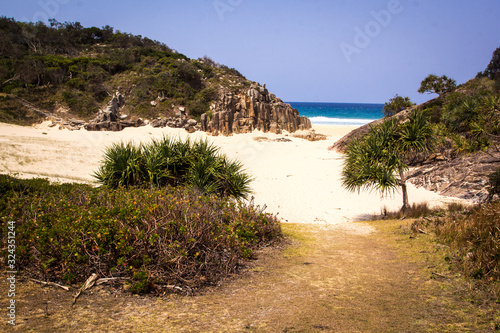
(87, 285)
(106, 280)
(50, 284)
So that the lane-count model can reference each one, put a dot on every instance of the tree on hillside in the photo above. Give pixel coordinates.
(493, 69)
(377, 161)
(396, 105)
(438, 85)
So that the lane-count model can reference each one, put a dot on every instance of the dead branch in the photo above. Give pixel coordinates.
(106, 280)
(87, 285)
(50, 284)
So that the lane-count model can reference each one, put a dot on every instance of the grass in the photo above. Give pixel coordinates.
(472, 232)
(474, 235)
(324, 279)
(418, 210)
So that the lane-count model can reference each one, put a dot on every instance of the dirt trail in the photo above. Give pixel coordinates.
(324, 280)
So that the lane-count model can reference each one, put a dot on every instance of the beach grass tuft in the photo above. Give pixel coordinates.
(473, 233)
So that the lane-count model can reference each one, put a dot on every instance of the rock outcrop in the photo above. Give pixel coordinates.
(256, 109)
(464, 177)
(179, 121)
(109, 120)
(231, 113)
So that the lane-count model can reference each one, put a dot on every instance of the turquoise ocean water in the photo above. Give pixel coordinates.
(339, 113)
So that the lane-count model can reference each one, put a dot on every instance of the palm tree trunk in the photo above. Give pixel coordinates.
(406, 204)
(402, 183)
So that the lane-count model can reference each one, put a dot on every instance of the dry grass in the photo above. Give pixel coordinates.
(474, 236)
(324, 280)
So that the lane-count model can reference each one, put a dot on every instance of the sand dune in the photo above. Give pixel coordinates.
(300, 180)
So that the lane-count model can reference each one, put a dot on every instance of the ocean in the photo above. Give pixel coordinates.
(339, 113)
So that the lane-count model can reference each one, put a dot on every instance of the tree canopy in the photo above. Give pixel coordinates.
(396, 105)
(493, 69)
(377, 161)
(437, 85)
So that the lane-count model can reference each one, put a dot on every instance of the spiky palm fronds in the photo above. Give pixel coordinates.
(376, 161)
(122, 166)
(416, 133)
(174, 162)
(234, 182)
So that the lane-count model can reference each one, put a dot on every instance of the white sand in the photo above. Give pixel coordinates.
(300, 180)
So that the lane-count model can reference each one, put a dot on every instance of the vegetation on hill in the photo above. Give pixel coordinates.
(396, 105)
(464, 119)
(70, 68)
(153, 238)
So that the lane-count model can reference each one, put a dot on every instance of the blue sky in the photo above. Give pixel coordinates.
(311, 51)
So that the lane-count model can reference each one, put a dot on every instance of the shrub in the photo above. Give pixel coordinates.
(476, 238)
(174, 162)
(396, 105)
(155, 238)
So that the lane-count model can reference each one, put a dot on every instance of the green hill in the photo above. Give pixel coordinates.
(67, 69)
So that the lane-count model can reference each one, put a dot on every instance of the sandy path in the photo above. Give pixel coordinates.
(300, 180)
(327, 280)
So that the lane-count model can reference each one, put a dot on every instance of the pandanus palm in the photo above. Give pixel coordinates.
(377, 160)
(173, 162)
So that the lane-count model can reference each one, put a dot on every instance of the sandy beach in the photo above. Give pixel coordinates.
(299, 180)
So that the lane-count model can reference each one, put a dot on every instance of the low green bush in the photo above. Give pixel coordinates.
(174, 162)
(154, 237)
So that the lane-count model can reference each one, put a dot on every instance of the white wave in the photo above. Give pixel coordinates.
(339, 121)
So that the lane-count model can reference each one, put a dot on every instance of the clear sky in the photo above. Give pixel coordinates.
(309, 51)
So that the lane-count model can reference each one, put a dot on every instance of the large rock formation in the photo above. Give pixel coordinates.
(231, 113)
(257, 109)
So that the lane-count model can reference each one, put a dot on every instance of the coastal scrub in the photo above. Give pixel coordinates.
(153, 238)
